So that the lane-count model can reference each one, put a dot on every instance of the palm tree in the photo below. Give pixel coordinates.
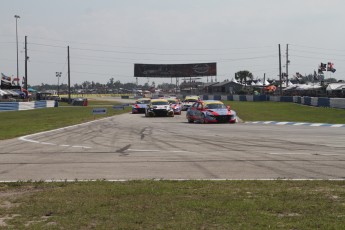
(243, 75)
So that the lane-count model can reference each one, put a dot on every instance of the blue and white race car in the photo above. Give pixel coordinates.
(140, 105)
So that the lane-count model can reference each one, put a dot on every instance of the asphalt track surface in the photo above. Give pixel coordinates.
(131, 146)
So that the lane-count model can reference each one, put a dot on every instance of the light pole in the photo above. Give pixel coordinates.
(58, 75)
(17, 16)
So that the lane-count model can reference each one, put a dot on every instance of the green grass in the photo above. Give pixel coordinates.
(19, 123)
(175, 205)
(276, 111)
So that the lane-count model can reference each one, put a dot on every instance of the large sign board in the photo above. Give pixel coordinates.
(175, 70)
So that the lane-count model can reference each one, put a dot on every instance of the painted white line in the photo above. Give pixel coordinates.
(297, 124)
(47, 143)
(27, 138)
(282, 123)
(316, 124)
(32, 141)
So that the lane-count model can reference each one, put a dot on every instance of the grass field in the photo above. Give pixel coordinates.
(174, 205)
(277, 111)
(19, 123)
(147, 204)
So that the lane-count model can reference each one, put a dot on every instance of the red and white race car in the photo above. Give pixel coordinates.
(211, 111)
(175, 105)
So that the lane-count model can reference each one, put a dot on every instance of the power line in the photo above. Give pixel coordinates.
(154, 48)
(311, 52)
(47, 45)
(129, 52)
(312, 47)
(316, 58)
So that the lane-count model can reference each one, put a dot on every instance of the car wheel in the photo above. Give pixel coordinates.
(203, 119)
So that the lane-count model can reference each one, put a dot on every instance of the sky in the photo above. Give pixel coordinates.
(106, 37)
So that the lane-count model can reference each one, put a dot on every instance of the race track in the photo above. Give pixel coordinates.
(131, 146)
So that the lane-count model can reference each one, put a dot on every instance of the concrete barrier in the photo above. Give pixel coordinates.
(337, 103)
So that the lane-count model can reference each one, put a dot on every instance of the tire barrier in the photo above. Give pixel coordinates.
(17, 106)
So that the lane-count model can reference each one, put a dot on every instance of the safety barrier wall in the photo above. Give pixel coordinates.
(15, 106)
(337, 103)
(311, 101)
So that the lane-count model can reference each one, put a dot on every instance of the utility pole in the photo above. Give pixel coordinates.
(26, 65)
(287, 64)
(280, 71)
(69, 77)
(16, 17)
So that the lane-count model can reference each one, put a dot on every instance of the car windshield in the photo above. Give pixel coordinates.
(215, 106)
(143, 102)
(160, 103)
(172, 102)
(191, 100)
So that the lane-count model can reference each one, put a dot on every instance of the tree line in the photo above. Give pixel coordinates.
(110, 86)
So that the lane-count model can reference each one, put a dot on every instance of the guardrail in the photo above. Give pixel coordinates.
(311, 101)
(16, 106)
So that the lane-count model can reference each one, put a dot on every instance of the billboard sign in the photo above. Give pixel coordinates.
(175, 70)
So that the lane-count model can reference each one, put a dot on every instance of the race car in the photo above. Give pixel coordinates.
(211, 111)
(188, 101)
(140, 105)
(175, 105)
(159, 107)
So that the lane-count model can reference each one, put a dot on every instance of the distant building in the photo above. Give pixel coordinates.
(226, 87)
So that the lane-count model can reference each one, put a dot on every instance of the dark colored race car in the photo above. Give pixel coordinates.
(210, 111)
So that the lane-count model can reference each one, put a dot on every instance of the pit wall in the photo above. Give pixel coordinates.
(311, 101)
(16, 106)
